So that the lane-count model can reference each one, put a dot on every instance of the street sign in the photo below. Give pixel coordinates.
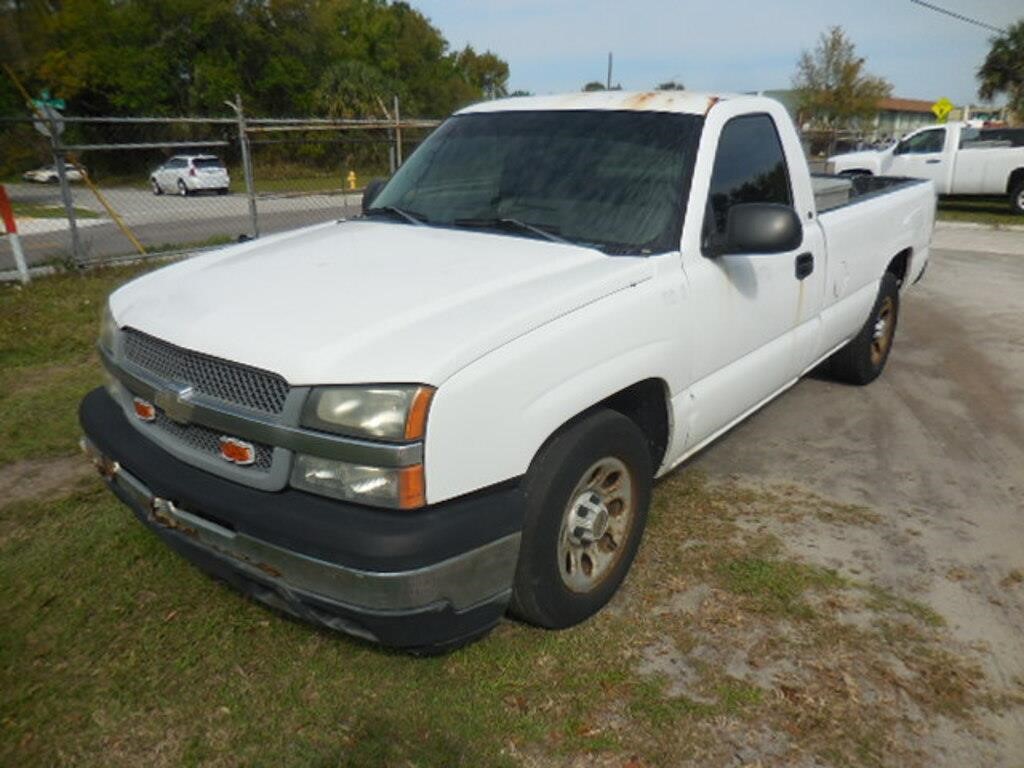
(45, 98)
(942, 108)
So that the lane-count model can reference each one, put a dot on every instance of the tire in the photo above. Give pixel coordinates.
(182, 188)
(572, 493)
(157, 189)
(223, 191)
(1017, 198)
(863, 359)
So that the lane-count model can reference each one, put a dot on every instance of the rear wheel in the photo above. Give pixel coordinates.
(587, 494)
(862, 360)
(1017, 198)
(182, 188)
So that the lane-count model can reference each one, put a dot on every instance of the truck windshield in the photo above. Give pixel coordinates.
(617, 181)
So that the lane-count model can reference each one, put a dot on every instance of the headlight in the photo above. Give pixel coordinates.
(386, 413)
(108, 330)
(395, 487)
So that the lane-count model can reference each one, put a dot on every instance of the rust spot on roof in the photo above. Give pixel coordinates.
(640, 100)
(711, 102)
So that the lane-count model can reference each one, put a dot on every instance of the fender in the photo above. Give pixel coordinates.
(489, 420)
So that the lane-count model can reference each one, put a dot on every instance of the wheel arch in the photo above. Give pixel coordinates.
(646, 403)
(1016, 177)
(899, 265)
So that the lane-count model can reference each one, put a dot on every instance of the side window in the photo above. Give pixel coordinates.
(750, 167)
(923, 142)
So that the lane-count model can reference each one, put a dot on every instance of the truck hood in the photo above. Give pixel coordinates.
(369, 301)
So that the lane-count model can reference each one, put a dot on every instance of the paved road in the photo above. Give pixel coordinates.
(935, 446)
(163, 220)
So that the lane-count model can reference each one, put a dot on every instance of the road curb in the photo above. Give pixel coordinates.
(940, 224)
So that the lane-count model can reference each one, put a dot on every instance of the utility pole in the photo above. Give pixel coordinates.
(608, 84)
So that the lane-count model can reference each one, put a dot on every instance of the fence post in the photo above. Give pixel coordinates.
(243, 140)
(398, 135)
(65, 190)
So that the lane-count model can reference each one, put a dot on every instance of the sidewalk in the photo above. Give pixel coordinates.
(964, 236)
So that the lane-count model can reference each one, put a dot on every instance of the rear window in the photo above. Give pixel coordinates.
(207, 162)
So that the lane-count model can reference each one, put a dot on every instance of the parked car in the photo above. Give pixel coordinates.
(404, 425)
(47, 174)
(959, 159)
(186, 174)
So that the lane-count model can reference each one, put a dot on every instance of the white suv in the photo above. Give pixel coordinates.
(186, 174)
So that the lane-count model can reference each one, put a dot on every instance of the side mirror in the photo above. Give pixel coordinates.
(372, 190)
(761, 228)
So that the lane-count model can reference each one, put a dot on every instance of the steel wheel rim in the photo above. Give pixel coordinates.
(1020, 200)
(885, 323)
(596, 525)
(182, 189)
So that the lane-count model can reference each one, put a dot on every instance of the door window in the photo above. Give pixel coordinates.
(750, 167)
(923, 143)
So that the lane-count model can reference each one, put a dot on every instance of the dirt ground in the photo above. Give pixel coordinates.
(935, 449)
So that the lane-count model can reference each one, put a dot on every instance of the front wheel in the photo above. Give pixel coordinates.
(587, 494)
(1017, 198)
(157, 189)
(862, 360)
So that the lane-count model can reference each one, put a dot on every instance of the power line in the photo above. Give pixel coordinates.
(959, 16)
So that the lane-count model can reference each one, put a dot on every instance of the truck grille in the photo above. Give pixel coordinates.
(230, 382)
(207, 441)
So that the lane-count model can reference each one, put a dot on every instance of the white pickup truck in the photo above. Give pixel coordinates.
(406, 425)
(957, 158)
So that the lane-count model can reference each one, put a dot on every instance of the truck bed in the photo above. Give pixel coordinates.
(831, 192)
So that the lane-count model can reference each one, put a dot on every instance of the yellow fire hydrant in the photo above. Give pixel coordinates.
(351, 179)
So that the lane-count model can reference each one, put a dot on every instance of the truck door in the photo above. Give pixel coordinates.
(921, 156)
(745, 309)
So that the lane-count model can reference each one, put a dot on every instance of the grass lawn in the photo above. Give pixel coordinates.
(115, 652)
(37, 211)
(980, 210)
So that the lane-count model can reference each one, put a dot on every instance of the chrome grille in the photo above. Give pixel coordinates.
(207, 441)
(210, 376)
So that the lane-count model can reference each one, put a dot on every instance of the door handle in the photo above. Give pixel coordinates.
(933, 162)
(804, 265)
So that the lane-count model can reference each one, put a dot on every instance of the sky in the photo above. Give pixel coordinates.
(556, 46)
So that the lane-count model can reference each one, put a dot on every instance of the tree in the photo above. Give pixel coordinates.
(1003, 70)
(833, 90)
(593, 85)
(172, 57)
(670, 85)
(483, 71)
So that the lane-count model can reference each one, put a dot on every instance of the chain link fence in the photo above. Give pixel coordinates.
(102, 189)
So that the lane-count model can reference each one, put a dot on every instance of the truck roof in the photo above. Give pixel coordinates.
(685, 102)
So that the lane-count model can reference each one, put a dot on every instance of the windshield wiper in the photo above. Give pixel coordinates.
(509, 223)
(411, 216)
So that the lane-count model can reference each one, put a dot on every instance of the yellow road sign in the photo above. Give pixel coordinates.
(942, 108)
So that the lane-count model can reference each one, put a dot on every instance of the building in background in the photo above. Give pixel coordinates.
(896, 117)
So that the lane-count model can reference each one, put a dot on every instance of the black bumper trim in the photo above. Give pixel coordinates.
(338, 532)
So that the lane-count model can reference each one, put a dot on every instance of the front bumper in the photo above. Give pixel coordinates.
(420, 579)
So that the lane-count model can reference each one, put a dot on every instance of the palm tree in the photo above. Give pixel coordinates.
(1003, 70)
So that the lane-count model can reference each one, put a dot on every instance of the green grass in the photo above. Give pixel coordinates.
(775, 586)
(37, 211)
(47, 361)
(979, 210)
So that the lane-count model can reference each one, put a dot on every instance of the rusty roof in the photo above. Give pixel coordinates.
(689, 102)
